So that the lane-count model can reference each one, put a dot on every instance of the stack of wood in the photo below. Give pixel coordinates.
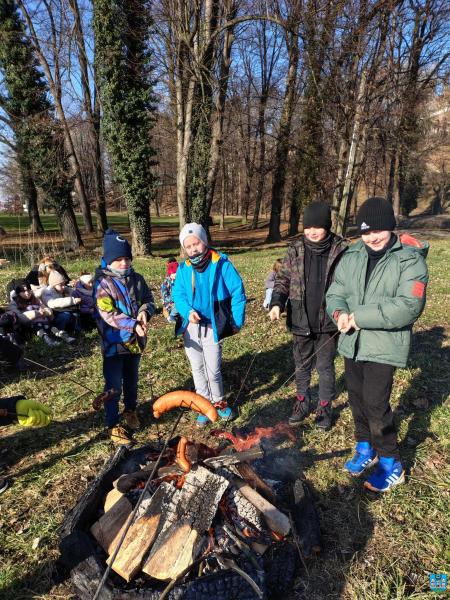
(170, 529)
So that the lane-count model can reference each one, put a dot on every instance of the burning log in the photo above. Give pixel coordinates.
(255, 481)
(226, 460)
(142, 534)
(275, 519)
(190, 514)
(112, 497)
(108, 529)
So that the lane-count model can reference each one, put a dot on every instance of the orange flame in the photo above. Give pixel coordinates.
(245, 443)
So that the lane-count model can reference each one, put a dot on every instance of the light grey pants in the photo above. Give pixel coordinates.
(204, 352)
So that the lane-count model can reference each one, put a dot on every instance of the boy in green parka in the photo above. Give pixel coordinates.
(377, 294)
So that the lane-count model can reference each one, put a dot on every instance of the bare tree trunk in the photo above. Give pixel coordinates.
(54, 83)
(261, 171)
(68, 227)
(349, 176)
(29, 197)
(93, 121)
(281, 156)
(217, 128)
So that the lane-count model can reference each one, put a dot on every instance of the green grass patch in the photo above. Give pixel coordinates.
(375, 548)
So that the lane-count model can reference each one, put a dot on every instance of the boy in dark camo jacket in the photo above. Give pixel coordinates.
(300, 286)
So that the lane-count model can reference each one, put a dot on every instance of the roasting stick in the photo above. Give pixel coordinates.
(135, 510)
(284, 382)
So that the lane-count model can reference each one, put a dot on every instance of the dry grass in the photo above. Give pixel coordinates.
(376, 548)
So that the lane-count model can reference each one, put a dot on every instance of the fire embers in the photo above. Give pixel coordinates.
(200, 521)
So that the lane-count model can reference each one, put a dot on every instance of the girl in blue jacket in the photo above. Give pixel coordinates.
(210, 298)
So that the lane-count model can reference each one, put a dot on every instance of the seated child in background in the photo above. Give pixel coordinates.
(38, 276)
(31, 313)
(169, 311)
(269, 283)
(59, 297)
(84, 291)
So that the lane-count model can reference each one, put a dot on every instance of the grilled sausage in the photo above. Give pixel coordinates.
(186, 400)
(181, 459)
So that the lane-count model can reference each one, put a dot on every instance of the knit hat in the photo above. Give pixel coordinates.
(193, 229)
(115, 246)
(21, 287)
(317, 214)
(86, 279)
(171, 268)
(55, 278)
(376, 214)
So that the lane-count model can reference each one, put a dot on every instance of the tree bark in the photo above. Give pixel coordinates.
(54, 83)
(282, 150)
(93, 121)
(29, 197)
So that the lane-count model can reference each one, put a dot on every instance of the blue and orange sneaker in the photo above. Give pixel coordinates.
(388, 473)
(364, 457)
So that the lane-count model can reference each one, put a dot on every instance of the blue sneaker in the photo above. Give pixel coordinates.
(388, 473)
(202, 421)
(226, 413)
(364, 457)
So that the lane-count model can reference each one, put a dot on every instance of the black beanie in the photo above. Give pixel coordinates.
(115, 246)
(317, 214)
(376, 214)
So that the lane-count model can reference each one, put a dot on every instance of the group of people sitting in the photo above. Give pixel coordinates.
(46, 303)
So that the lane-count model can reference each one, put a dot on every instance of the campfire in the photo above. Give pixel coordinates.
(207, 523)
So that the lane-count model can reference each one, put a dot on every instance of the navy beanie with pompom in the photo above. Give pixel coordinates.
(115, 246)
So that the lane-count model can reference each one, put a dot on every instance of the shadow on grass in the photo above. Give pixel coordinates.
(427, 389)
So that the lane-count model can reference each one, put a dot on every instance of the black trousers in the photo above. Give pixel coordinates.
(369, 388)
(10, 354)
(304, 349)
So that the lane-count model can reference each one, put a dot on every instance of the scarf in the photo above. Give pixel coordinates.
(200, 262)
(319, 247)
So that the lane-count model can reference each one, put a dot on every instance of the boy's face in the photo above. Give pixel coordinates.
(193, 246)
(25, 294)
(121, 263)
(172, 276)
(60, 287)
(315, 234)
(376, 240)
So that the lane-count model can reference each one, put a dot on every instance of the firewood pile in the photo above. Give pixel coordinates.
(208, 526)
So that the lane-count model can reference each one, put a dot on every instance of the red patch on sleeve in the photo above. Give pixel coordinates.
(418, 289)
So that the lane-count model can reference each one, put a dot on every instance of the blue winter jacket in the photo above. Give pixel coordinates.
(226, 292)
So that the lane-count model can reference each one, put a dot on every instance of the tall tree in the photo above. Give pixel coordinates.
(92, 114)
(123, 63)
(284, 128)
(48, 49)
(40, 154)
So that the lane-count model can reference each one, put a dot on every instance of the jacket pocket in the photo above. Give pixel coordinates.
(296, 318)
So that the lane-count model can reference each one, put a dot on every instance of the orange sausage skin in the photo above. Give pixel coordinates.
(184, 399)
(181, 458)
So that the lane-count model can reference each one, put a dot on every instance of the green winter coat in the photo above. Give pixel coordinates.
(387, 307)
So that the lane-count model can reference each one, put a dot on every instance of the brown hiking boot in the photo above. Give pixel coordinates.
(119, 436)
(132, 419)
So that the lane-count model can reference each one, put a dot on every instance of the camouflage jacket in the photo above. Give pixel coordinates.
(289, 288)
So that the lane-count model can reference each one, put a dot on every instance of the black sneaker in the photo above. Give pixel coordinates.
(4, 484)
(302, 408)
(324, 417)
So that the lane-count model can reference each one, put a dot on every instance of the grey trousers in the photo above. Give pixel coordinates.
(203, 352)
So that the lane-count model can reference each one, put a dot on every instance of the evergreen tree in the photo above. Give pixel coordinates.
(40, 151)
(121, 29)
